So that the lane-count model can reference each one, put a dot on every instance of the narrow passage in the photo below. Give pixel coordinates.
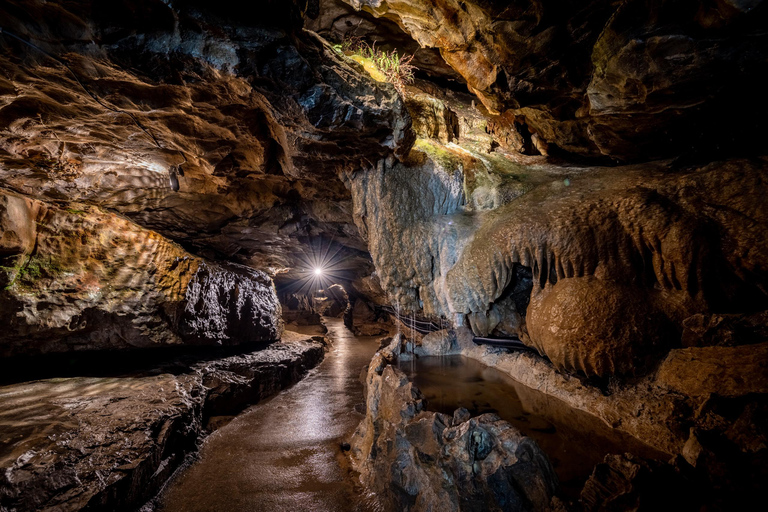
(284, 454)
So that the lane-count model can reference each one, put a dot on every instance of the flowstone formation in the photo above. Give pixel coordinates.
(619, 258)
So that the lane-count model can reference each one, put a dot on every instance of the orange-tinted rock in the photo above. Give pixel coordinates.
(598, 327)
(94, 280)
(626, 80)
(220, 127)
(408, 455)
(725, 371)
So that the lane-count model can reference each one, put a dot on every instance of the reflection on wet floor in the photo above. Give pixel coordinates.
(574, 440)
(285, 453)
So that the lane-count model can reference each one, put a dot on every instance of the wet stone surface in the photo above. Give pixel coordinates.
(110, 442)
(573, 440)
(285, 454)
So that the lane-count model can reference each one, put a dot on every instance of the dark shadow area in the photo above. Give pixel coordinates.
(125, 363)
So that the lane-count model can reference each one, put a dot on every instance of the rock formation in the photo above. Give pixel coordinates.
(110, 443)
(216, 133)
(585, 177)
(419, 460)
(85, 279)
(626, 80)
(686, 239)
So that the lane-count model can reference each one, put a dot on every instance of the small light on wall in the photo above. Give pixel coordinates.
(318, 271)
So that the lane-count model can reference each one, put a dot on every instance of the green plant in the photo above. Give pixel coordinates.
(29, 269)
(395, 68)
(16, 270)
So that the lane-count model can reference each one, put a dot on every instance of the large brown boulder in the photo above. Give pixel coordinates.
(598, 327)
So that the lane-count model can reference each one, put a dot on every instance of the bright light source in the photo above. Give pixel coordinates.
(318, 271)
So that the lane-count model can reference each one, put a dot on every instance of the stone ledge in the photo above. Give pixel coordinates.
(111, 443)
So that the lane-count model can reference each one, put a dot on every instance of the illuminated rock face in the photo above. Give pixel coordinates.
(110, 443)
(625, 80)
(422, 460)
(619, 257)
(79, 278)
(248, 117)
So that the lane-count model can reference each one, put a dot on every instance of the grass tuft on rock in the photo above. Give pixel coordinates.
(381, 65)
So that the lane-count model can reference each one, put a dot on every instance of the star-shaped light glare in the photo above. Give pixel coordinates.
(322, 264)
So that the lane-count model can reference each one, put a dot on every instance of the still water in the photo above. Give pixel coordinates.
(573, 440)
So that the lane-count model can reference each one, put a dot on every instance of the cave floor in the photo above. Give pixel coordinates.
(285, 453)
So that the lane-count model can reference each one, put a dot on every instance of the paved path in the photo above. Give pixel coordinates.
(284, 454)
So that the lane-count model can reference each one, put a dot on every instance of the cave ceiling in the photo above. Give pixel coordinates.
(225, 126)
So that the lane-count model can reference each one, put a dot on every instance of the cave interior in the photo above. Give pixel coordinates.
(383, 255)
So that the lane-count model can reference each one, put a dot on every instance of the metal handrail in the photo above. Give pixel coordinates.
(427, 326)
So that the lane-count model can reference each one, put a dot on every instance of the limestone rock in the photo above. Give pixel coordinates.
(229, 304)
(704, 330)
(419, 460)
(626, 80)
(366, 322)
(110, 443)
(616, 330)
(95, 281)
(336, 21)
(725, 371)
(217, 125)
(624, 482)
(431, 118)
(18, 230)
(333, 301)
(644, 237)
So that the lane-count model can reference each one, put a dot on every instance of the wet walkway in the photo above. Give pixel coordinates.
(284, 454)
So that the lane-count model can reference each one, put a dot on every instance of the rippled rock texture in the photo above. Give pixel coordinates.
(626, 80)
(419, 460)
(78, 278)
(218, 125)
(109, 443)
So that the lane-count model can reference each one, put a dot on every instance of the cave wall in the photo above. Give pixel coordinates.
(620, 257)
(78, 278)
(627, 80)
(219, 125)
(148, 147)
(225, 127)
